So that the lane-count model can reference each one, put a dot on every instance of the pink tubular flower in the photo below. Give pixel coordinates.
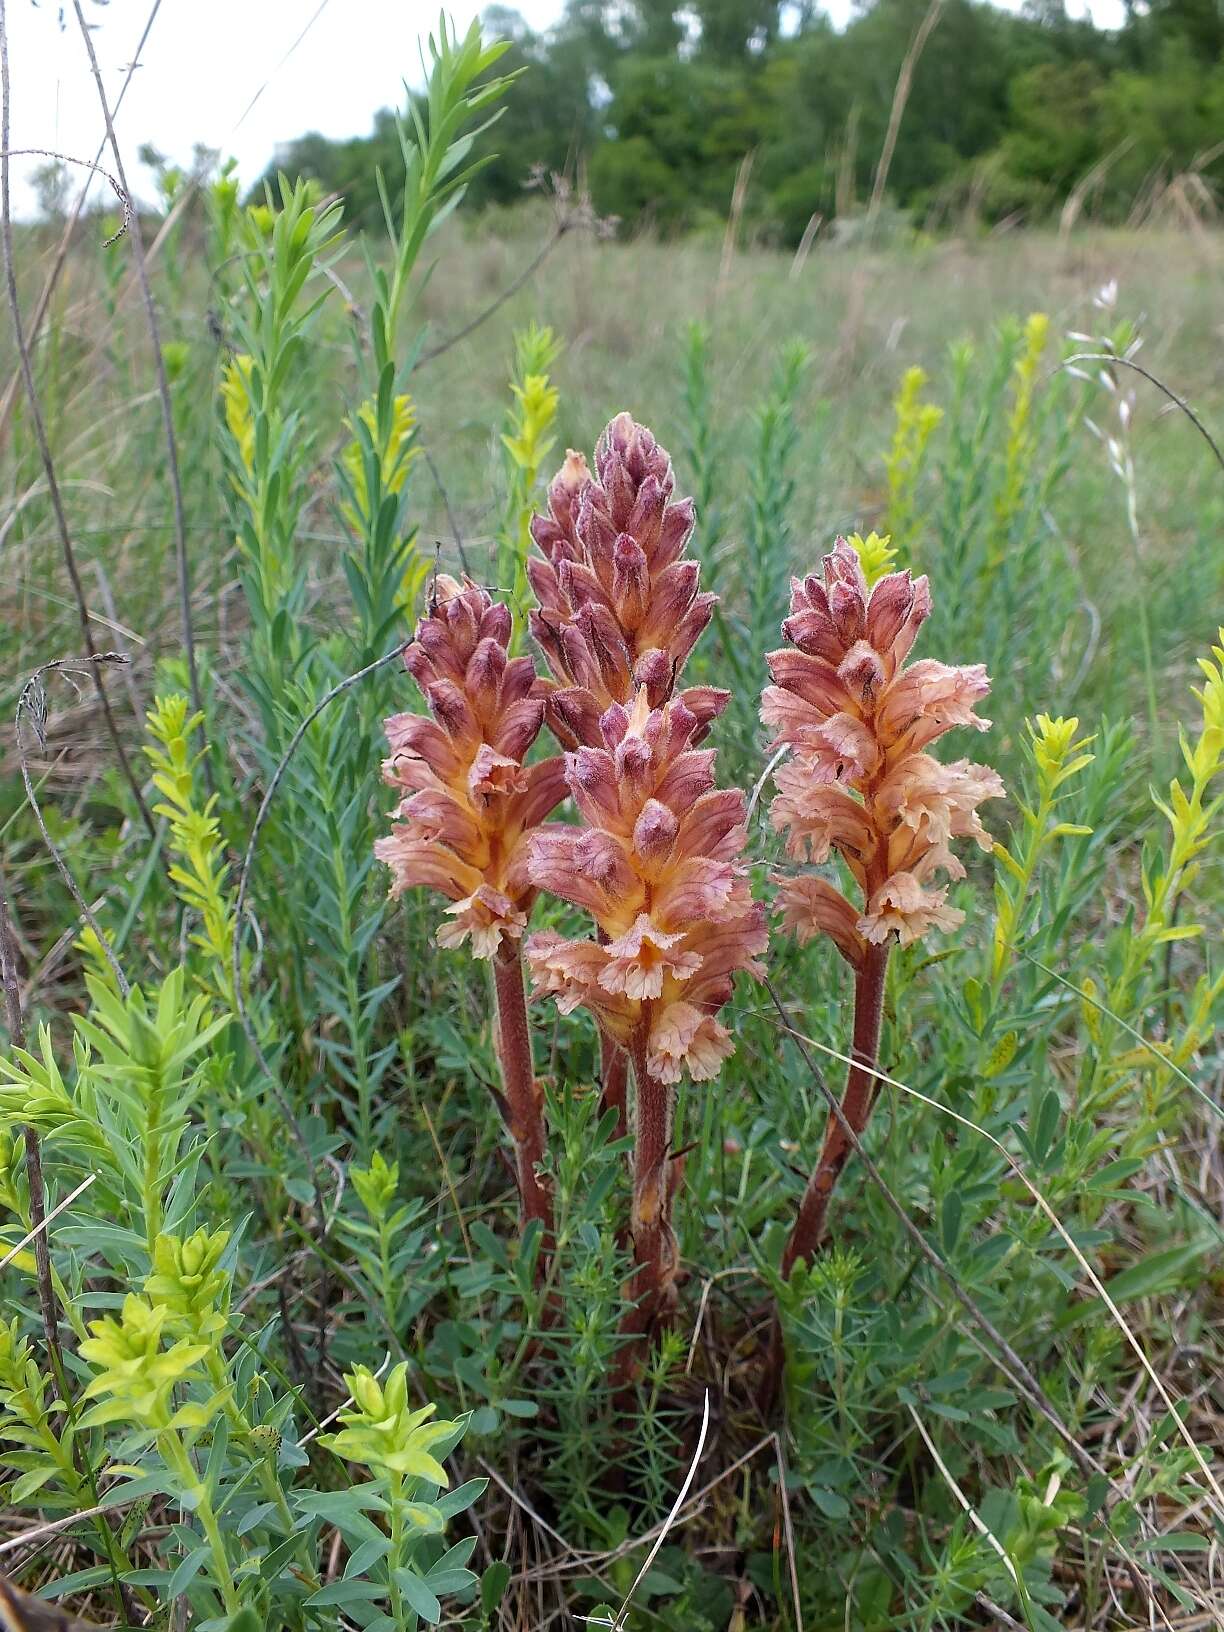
(470, 804)
(619, 606)
(661, 871)
(860, 781)
(659, 862)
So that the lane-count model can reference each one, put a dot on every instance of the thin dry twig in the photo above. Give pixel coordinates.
(40, 431)
(563, 226)
(53, 1526)
(1179, 402)
(32, 705)
(182, 560)
(521, 1501)
(121, 192)
(446, 505)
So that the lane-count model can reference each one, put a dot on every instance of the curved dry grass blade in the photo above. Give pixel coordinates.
(967, 1506)
(1179, 402)
(617, 1624)
(1131, 1031)
(1006, 1358)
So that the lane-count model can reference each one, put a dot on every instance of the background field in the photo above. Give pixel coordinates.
(623, 310)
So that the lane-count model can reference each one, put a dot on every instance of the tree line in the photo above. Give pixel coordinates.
(1009, 114)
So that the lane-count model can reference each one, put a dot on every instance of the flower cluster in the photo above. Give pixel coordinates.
(384, 1434)
(619, 607)
(396, 456)
(470, 802)
(859, 721)
(134, 1376)
(659, 867)
(190, 1284)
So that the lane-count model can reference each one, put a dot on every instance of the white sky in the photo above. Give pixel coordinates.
(206, 60)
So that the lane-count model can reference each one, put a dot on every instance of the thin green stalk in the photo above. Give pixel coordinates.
(395, 1558)
(175, 1456)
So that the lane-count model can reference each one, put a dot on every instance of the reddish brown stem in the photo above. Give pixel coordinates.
(614, 1079)
(524, 1096)
(807, 1234)
(651, 1289)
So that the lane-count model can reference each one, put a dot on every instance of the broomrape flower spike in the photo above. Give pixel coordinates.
(619, 607)
(658, 864)
(659, 867)
(464, 825)
(860, 782)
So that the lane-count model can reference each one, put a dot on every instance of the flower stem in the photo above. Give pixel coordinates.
(808, 1232)
(174, 1454)
(524, 1097)
(395, 1558)
(614, 1077)
(654, 1242)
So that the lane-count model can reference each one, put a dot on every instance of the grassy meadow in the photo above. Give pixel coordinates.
(1004, 1379)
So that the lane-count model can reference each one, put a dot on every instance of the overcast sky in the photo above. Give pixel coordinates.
(304, 66)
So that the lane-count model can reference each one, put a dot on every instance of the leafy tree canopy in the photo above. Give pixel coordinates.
(659, 103)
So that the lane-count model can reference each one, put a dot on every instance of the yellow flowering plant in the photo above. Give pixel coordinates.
(526, 443)
(401, 1446)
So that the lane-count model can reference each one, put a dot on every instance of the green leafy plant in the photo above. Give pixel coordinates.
(406, 1568)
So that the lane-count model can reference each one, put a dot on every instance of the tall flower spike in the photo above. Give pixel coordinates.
(861, 782)
(659, 866)
(619, 604)
(465, 823)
